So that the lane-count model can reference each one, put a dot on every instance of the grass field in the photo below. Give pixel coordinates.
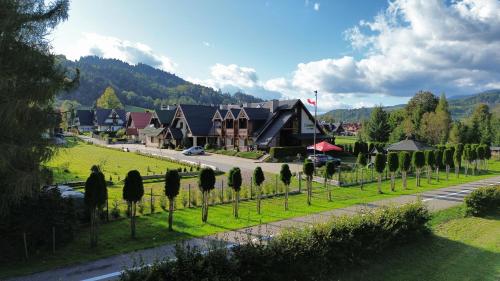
(345, 139)
(458, 249)
(73, 163)
(152, 229)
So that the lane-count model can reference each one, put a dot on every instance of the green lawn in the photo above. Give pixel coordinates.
(73, 163)
(458, 249)
(345, 139)
(152, 229)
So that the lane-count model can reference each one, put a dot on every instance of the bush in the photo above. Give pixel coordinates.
(483, 200)
(115, 210)
(296, 254)
(36, 216)
(289, 151)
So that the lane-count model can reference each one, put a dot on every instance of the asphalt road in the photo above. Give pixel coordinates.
(110, 268)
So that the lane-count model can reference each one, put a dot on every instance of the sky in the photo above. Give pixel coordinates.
(354, 53)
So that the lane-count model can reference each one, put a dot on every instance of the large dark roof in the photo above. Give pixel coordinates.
(165, 116)
(222, 113)
(257, 113)
(198, 118)
(152, 131)
(85, 117)
(408, 145)
(269, 132)
(234, 112)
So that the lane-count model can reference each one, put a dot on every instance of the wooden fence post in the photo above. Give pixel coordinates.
(300, 182)
(251, 184)
(54, 239)
(151, 201)
(189, 195)
(276, 186)
(25, 245)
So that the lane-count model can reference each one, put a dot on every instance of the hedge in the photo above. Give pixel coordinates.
(288, 151)
(312, 253)
(483, 200)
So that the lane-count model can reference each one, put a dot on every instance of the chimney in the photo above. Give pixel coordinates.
(274, 105)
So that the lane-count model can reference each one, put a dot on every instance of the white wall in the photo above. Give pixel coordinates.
(307, 126)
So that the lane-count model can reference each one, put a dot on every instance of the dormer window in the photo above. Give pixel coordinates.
(229, 123)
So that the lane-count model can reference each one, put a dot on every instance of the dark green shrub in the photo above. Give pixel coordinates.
(171, 188)
(289, 151)
(133, 190)
(298, 254)
(286, 179)
(483, 200)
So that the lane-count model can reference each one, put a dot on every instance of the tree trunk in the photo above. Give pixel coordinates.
(286, 197)
(92, 228)
(429, 170)
(417, 173)
(379, 186)
(258, 199)
(203, 206)
(457, 171)
(405, 177)
(437, 174)
(447, 171)
(362, 181)
(392, 181)
(309, 190)
(132, 223)
(236, 204)
(329, 190)
(170, 213)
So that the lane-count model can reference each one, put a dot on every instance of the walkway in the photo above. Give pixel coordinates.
(109, 268)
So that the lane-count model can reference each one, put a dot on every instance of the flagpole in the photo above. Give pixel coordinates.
(315, 125)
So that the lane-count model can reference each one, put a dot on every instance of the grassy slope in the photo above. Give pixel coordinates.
(458, 249)
(79, 157)
(151, 229)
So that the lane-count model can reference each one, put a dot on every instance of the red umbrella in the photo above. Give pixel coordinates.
(324, 147)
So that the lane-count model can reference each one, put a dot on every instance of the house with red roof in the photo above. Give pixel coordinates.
(137, 122)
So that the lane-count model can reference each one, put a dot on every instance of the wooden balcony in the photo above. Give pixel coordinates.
(243, 132)
(230, 132)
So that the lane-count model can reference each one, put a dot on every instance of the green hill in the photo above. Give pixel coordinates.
(460, 107)
(140, 85)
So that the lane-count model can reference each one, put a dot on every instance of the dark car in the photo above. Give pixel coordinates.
(321, 159)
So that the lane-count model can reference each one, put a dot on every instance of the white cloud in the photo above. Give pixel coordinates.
(412, 45)
(111, 47)
(232, 78)
(207, 44)
(316, 6)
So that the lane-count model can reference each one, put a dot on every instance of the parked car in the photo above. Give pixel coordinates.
(194, 150)
(321, 159)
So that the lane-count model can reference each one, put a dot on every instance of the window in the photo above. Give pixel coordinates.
(229, 123)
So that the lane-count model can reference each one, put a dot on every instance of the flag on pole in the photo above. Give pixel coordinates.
(311, 101)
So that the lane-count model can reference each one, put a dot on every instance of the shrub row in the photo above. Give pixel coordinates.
(483, 200)
(308, 254)
(290, 151)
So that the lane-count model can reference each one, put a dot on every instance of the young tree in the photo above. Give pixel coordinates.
(108, 99)
(133, 190)
(418, 163)
(480, 157)
(308, 168)
(448, 160)
(465, 157)
(286, 178)
(96, 195)
(430, 161)
(329, 171)
(404, 166)
(487, 155)
(234, 180)
(472, 159)
(171, 188)
(392, 164)
(362, 162)
(438, 160)
(258, 179)
(30, 79)
(457, 158)
(379, 168)
(206, 182)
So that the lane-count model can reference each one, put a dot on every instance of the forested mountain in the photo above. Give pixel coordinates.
(460, 107)
(140, 85)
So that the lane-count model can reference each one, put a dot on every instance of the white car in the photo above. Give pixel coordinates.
(194, 150)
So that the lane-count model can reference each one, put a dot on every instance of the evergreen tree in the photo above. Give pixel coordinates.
(133, 190)
(404, 166)
(258, 179)
(234, 181)
(362, 162)
(171, 188)
(96, 195)
(443, 119)
(329, 171)
(379, 168)
(418, 162)
(206, 183)
(377, 128)
(457, 158)
(308, 169)
(448, 160)
(481, 124)
(393, 165)
(430, 161)
(286, 178)
(30, 78)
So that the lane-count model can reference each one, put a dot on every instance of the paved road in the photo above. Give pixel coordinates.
(222, 162)
(109, 268)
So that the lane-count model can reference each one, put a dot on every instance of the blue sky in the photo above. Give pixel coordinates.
(355, 53)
